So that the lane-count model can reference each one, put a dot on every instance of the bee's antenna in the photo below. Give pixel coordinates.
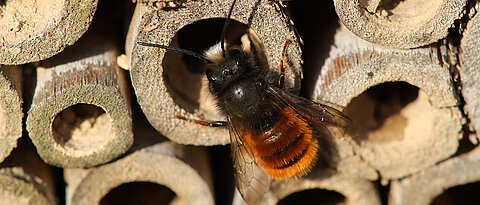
(224, 30)
(184, 51)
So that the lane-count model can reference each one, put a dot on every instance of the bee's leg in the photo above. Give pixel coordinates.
(283, 66)
(204, 122)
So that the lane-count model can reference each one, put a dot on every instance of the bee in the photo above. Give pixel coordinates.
(274, 133)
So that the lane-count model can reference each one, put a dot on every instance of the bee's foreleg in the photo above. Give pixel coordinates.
(204, 122)
(283, 66)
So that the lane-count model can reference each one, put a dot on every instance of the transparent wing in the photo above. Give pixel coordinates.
(251, 181)
(315, 113)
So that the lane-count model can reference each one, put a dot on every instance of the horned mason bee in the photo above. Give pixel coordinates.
(273, 133)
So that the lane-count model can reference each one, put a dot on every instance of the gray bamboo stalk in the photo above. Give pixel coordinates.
(166, 88)
(424, 187)
(355, 190)
(420, 134)
(80, 115)
(183, 169)
(400, 24)
(470, 68)
(26, 180)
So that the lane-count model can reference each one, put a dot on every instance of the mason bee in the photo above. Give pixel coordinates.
(273, 133)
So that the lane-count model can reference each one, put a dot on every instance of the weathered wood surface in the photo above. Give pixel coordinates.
(35, 30)
(166, 86)
(25, 179)
(424, 187)
(80, 115)
(470, 68)
(401, 128)
(354, 190)
(11, 113)
(182, 169)
(400, 24)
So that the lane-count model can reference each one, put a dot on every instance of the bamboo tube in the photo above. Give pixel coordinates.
(470, 69)
(423, 187)
(80, 115)
(353, 190)
(182, 169)
(10, 108)
(400, 24)
(168, 85)
(35, 30)
(402, 128)
(25, 179)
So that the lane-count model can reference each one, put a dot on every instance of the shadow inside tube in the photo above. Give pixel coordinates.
(377, 111)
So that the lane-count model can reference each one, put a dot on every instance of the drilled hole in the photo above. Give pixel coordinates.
(464, 194)
(139, 193)
(377, 111)
(82, 127)
(313, 196)
(183, 74)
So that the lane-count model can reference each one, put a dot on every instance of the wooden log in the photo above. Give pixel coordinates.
(470, 69)
(25, 179)
(350, 190)
(168, 85)
(400, 24)
(182, 169)
(80, 115)
(424, 187)
(33, 30)
(402, 128)
(10, 108)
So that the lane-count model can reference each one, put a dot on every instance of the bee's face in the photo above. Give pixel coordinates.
(222, 74)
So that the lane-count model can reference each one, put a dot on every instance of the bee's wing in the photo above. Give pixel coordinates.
(314, 112)
(251, 181)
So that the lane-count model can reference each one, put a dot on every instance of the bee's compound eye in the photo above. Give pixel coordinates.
(210, 77)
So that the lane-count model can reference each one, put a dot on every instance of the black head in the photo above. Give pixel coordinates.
(224, 70)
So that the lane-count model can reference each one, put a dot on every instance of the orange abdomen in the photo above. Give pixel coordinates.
(287, 149)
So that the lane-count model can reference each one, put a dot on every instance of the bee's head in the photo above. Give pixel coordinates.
(223, 70)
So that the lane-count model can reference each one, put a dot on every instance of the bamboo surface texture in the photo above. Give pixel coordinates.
(10, 108)
(387, 131)
(80, 115)
(89, 116)
(25, 179)
(35, 30)
(400, 24)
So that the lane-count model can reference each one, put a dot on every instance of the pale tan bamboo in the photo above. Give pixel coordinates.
(400, 24)
(34, 30)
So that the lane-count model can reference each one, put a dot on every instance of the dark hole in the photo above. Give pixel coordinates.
(378, 108)
(139, 193)
(183, 73)
(388, 4)
(467, 194)
(313, 196)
